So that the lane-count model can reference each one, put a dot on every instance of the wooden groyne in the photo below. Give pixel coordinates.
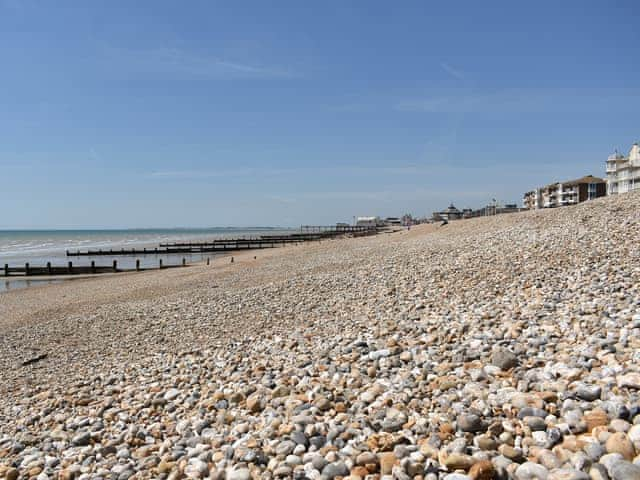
(308, 233)
(70, 269)
(219, 248)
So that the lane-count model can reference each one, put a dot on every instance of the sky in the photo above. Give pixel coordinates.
(202, 113)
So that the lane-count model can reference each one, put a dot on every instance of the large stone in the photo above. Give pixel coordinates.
(335, 469)
(624, 471)
(588, 392)
(469, 422)
(81, 439)
(387, 460)
(458, 461)
(239, 474)
(483, 470)
(596, 418)
(568, 474)
(630, 380)
(255, 404)
(619, 443)
(12, 474)
(503, 358)
(171, 394)
(285, 447)
(531, 471)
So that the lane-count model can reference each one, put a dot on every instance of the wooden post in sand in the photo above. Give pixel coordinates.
(93, 266)
(160, 264)
(49, 268)
(208, 260)
(138, 265)
(184, 262)
(6, 269)
(70, 267)
(26, 269)
(115, 265)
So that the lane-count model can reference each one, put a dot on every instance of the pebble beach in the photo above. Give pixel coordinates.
(503, 347)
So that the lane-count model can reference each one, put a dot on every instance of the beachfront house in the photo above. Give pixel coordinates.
(623, 173)
(561, 194)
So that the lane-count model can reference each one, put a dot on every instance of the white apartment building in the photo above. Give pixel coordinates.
(623, 173)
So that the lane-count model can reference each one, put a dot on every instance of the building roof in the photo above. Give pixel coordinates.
(451, 209)
(585, 179)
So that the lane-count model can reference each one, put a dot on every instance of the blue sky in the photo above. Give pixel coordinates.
(142, 114)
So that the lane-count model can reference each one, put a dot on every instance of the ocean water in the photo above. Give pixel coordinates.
(37, 247)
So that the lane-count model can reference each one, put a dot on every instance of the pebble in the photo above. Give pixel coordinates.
(504, 358)
(620, 443)
(531, 471)
(469, 423)
(238, 474)
(624, 471)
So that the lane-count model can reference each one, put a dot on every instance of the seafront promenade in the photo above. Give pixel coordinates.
(495, 347)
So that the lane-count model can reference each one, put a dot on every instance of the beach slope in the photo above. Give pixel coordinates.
(495, 347)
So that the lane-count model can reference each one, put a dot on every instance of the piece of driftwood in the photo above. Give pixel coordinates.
(35, 359)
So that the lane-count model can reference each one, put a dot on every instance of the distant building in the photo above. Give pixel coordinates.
(561, 194)
(369, 222)
(532, 199)
(393, 222)
(407, 219)
(623, 173)
(451, 213)
(493, 209)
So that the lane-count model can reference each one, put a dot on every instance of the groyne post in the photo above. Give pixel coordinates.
(138, 265)
(93, 266)
(6, 269)
(26, 269)
(49, 268)
(70, 267)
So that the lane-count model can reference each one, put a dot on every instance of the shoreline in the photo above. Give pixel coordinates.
(62, 297)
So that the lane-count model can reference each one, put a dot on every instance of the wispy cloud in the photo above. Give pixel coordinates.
(181, 62)
(452, 71)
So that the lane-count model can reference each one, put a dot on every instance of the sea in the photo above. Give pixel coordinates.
(37, 247)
